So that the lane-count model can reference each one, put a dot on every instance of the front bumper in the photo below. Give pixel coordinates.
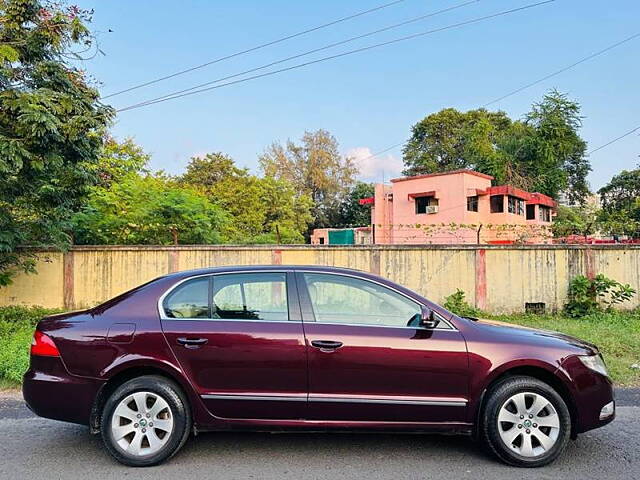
(51, 392)
(592, 393)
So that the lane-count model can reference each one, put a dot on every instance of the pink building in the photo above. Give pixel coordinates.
(457, 207)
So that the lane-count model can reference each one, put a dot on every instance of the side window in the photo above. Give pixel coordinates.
(341, 299)
(496, 203)
(531, 212)
(189, 300)
(250, 296)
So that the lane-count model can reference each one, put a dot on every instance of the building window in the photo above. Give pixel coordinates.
(423, 202)
(321, 240)
(515, 205)
(531, 212)
(545, 214)
(497, 203)
(472, 203)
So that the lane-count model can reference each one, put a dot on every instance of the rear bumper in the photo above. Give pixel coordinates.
(51, 392)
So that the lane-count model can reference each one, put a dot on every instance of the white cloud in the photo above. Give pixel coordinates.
(375, 169)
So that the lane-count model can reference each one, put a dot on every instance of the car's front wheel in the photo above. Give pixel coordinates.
(525, 422)
(145, 421)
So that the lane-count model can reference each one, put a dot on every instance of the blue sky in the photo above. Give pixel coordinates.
(369, 100)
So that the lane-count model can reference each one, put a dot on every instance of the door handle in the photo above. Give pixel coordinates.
(192, 342)
(326, 345)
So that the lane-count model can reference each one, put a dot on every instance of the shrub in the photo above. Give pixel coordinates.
(598, 294)
(16, 330)
(14, 350)
(27, 315)
(457, 304)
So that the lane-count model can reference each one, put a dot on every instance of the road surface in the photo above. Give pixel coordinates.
(31, 447)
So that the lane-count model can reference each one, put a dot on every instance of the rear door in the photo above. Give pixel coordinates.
(369, 360)
(238, 336)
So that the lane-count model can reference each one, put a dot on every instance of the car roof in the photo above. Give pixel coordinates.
(254, 268)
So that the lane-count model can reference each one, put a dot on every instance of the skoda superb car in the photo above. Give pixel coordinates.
(293, 347)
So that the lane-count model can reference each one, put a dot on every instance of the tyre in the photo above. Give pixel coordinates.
(145, 421)
(525, 423)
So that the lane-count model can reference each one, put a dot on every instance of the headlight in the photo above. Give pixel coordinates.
(595, 363)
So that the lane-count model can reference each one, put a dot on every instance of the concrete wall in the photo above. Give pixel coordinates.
(495, 278)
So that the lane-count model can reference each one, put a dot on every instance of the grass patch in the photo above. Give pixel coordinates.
(16, 331)
(617, 335)
(8, 385)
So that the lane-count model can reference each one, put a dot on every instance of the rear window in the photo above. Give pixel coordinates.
(189, 300)
(237, 296)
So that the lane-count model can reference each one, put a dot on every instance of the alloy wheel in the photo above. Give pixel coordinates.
(528, 424)
(142, 423)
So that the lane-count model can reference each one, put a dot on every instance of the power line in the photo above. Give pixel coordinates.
(614, 140)
(564, 69)
(253, 49)
(343, 54)
(546, 77)
(373, 155)
(308, 52)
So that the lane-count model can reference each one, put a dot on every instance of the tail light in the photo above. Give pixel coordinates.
(43, 345)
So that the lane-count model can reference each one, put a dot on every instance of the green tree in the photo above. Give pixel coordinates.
(622, 192)
(211, 169)
(351, 212)
(150, 209)
(314, 168)
(581, 220)
(621, 204)
(119, 159)
(51, 127)
(262, 210)
(557, 161)
(543, 152)
(440, 141)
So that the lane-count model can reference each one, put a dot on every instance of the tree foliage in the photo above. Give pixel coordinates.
(543, 152)
(579, 220)
(262, 210)
(444, 140)
(119, 159)
(621, 204)
(557, 162)
(51, 127)
(151, 210)
(622, 192)
(315, 168)
(351, 212)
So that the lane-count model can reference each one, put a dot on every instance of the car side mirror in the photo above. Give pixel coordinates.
(428, 319)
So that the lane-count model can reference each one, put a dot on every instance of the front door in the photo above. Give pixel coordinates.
(239, 338)
(368, 359)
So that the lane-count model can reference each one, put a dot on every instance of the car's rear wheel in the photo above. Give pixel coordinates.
(145, 421)
(525, 422)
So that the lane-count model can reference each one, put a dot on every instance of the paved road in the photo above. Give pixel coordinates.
(36, 448)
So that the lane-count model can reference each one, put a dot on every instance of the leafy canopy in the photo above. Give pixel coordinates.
(151, 210)
(353, 214)
(261, 210)
(51, 128)
(577, 220)
(119, 159)
(315, 168)
(543, 152)
(621, 204)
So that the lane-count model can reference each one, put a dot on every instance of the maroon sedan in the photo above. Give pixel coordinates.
(320, 348)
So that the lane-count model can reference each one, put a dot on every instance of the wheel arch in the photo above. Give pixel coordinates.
(127, 372)
(541, 372)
